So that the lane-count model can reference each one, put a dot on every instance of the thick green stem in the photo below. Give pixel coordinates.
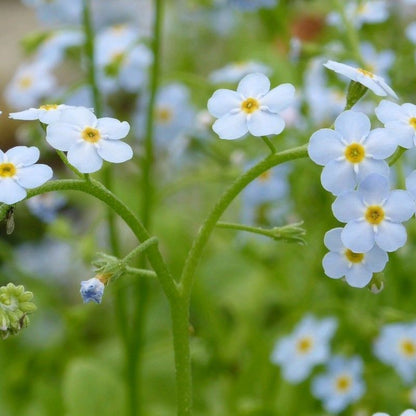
(228, 196)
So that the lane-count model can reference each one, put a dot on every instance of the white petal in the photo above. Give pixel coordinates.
(231, 126)
(376, 259)
(390, 236)
(388, 111)
(114, 151)
(30, 114)
(358, 236)
(358, 276)
(113, 129)
(374, 189)
(33, 176)
(411, 184)
(84, 157)
(324, 146)
(223, 101)
(263, 123)
(338, 176)
(279, 98)
(78, 116)
(23, 155)
(400, 206)
(332, 239)
(352, 125)
(334, 265)
(348, 207)
(10, 191)
(381, 143)
(254, 85)
(369, 166)
(62, 136)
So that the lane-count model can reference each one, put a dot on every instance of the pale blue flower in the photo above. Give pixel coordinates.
(372, 81)
(350, 152)
(46, 114)
(234, 72)
(358, 268)
(341, 385)
(46, 206)
(89, 140)
(400, 120)
(19, 171)
(57, 11)
(408, 412)
(92, 290)
(396, 346)
(251, 5)
(253, 108)
(374, 215)
(377, 62)
(411, 32)
(305, 348)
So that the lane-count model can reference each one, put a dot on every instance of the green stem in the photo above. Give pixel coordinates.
(269, 144)
(228, 196)
(140, 249)
(65, 160)
(396, 155)
(140, 272)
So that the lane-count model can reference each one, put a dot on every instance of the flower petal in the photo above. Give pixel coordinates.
(352, 125)
(84, 157)
(231, 126)
(78, 116)
(335, 265)
(114, 151)
(388, 111)
(400, 206)
(33, 176)
(390, 236)
(348, 207)
(263, 123)
(376, 259)
(358, 236)
(332, 240)
(10, 191)
(23, 155)
(324, 146)
(254, 85)
(223, 101)
(369, 166)
(62, 136)
(381, 143)
(338, 176)
(411, 184)
(279, 98)
(113, 129)
(358, 276)
(374, 189)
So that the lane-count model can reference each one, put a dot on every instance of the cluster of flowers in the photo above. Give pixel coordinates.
(355, 171)
(308, 346)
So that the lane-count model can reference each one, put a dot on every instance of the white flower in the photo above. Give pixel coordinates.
(252, 108)
(373, 82)
(89, 140)
(306, 347)
(408, 412)
(19, 172)
(235, 71)
(46, 114)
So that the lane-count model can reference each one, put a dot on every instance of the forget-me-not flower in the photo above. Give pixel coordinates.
(341, 385)
(350, 152)
(92, 290)
(408, 412)
(47, 113)
(374, 215)
(396, 346)
(372, 81)
(306, 347)
(89, 140)
(19, 171)
(358, 268)
(253, 108)
(400, 120)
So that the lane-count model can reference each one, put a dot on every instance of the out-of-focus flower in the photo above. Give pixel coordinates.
(46, 206)
(30, 84)
(408, 412)
(306, 347)
(400, 120)
(46, 114)
(250, 5)
(373, 215)
(57, 11)
(377, 62)
(411, 32)
(341, 385)
(253, 108)
(370, 11)
(358, 268)
(373, 82)
(396, 346)
(89, 140)
(350, 152)
(19, 171)
(235, 71)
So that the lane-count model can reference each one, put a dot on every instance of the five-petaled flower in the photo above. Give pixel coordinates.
(19, 171)
(89, 140)
(253, 108)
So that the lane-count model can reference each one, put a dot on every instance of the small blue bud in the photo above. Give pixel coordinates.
(92, 290)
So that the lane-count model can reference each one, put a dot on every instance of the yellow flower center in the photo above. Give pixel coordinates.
(412, 122)
(91, 135)
(353, 257)
(25, 83)
(343, 383)
(164, 115)
(365, 73)
(265, 176)
(7, 170)
(48, 107)
(250, 105)
(304, 345)
(408, 347)
(374, 214)
(354, 153)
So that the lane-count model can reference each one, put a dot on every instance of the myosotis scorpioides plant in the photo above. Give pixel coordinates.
(253, 109)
